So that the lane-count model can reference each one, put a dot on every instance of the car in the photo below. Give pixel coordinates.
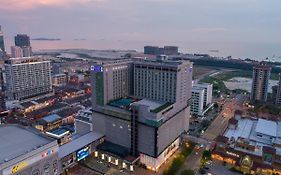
(121, 171)
(206, 168)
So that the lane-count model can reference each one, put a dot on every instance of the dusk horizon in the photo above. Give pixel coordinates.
(235, 28)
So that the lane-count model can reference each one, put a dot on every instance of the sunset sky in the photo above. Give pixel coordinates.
(242, 28)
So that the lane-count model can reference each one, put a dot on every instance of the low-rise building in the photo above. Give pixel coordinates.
(59, 80)
(252, 146)
(49, 122)
(26, 151)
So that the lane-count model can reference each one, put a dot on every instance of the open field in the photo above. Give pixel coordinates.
(199, 71)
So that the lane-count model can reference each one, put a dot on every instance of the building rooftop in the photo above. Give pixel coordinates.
(256, 132)
(267, 127)
(51, 118)
(58, 133)
(16, 141)
(78, 143)
(243, 130)
(151, 104)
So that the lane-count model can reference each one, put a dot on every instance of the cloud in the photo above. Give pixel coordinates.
(16, 5)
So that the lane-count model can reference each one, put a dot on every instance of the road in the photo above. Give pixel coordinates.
(219, 125)
(216, 128)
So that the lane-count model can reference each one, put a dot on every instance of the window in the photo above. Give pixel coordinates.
(46, 169)
(36, 172)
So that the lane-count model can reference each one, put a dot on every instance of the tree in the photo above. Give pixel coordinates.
(187, 172)
(216, 105)
(206, 155)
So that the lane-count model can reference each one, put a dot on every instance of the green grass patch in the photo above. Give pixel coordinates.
(179, 160)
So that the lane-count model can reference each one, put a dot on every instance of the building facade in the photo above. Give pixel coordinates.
(22, 40)
(59, 79)
(112, 80)
(171, 50)
(261, 76)
(16, 52)
(208, 92)
(197, 101)
(2, 93)
(149, 117)
(163, 80)
(151, 50)
(27, 51)
(27, 77)
(26, 151)
(278, 94)
(2, 44)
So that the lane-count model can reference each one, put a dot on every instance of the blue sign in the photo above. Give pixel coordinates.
(81, 154)
(97, 68)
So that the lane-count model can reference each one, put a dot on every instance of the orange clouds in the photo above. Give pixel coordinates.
(29, 4)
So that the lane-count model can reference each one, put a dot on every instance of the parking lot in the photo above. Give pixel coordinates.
(218, 168)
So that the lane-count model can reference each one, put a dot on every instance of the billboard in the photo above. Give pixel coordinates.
(82, 153)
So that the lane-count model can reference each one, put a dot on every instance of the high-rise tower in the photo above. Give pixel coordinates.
(261, 76)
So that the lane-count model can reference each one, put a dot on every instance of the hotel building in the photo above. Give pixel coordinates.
(142, 108)
(27, 77)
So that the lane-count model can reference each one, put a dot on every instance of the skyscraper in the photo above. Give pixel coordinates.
(162, 80)
(113, 81)
(16, 52)
(261, 76)
(2, 94)
(278, 95)
(142, 106)
(171, 50)
(27, 51)
(27, 78)
(2, 45)
(151, 50)
(22, 40)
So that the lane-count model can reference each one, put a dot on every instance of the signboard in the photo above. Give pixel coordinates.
(16, 168)
(81, 154)
(97, 68)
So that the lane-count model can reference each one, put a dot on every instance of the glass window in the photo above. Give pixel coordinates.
(36, 172)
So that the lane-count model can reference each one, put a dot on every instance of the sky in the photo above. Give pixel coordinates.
(240, 28)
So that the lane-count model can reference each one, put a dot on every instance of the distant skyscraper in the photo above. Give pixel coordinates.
(27, 78)
(261, 76)
(2, 94)
(151, 50)
(22, 40)
(26, 51)
(16, 52)
(2, 45)
(278, 95)
(166, 50)
(171, 50)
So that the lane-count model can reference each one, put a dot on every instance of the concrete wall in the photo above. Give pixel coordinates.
(172, 129)
(116, 130)
(146, 142)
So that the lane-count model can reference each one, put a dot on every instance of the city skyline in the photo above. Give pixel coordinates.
(237, 28)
